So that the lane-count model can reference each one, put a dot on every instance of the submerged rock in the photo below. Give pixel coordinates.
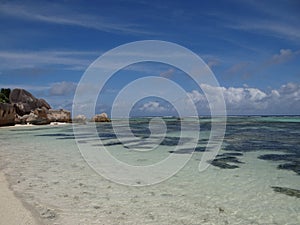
(7, 114)
(287, 191)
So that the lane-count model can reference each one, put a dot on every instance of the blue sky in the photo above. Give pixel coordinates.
(253, 48)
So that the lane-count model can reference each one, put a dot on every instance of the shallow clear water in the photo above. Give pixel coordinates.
(253, 180)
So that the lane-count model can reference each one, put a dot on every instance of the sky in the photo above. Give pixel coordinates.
(252, 47)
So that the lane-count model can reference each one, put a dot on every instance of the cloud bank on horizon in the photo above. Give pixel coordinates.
(253, 48)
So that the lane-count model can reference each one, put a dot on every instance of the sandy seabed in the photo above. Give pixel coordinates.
(45, 169)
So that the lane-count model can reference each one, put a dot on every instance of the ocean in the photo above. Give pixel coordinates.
(254, 178)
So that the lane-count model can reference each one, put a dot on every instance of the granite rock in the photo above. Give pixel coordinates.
(59, 115)
(7, 114)
(101, 118)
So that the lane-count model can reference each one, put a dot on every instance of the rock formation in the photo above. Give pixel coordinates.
(24, 108)
(24, 102)
(101, 118)
(60, 115)
(38, 117)
(21, 107)
(7, 114)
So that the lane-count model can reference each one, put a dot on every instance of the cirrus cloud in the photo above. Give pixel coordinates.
(63, 88)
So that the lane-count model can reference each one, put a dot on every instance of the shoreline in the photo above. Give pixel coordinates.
(12, 210)
(32, 125)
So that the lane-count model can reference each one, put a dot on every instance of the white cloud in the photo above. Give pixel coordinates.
(195, 96)
(154, 107)
(290, 91)
(238, 100)
(248, 101)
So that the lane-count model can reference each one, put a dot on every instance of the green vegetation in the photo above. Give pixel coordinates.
(4, 95)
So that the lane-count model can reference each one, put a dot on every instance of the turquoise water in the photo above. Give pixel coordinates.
(253, 180)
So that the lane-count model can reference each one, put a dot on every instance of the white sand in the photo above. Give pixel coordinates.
(12, 211)
(31, 125)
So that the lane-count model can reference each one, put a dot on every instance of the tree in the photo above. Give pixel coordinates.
(4, 95)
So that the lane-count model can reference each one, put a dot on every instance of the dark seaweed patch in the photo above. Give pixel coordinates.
(200, 149)
(137, 147)
(248, 134)
(170, 141)
(66, 138)
(188, 150)
(254, 145)
(222, 164)
(293, 161)
(294, 166)
(277, 157)
(287, 191)
(112, 143)
(230, 159)
(226, 162)
(173, 141)
(107, 135)
(231, 154)
(55, 135)
(183, 151)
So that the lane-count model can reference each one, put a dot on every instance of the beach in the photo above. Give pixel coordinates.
(12, 210)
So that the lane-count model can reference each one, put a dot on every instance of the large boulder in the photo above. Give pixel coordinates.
(24, 102)
(22, 108)
(22, 119)
(60, 115)
(42, 103)
(101, 118)
(7, 114)
(38, 117)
